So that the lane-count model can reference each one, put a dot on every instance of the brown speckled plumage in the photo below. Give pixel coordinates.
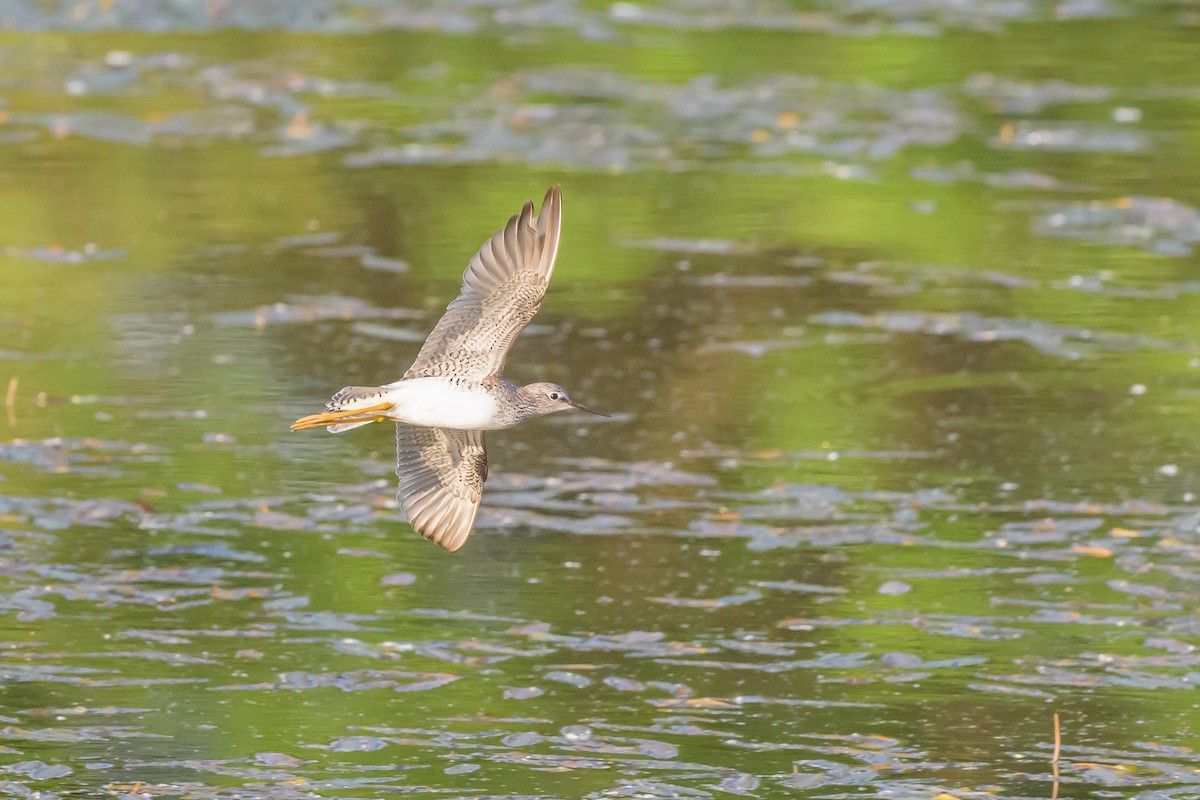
(442, 471)
(455, 390)
(502, 289)
(441, 474)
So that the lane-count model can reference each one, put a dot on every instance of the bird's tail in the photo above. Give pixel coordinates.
(350, 407)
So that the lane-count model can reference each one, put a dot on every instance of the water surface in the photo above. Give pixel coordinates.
(896, 308)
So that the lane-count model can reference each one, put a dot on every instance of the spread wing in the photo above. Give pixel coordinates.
(441, 474)
(501, 291)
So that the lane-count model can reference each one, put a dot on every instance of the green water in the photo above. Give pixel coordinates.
(896, 309)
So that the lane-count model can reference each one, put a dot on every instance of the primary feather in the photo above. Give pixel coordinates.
(502, 289)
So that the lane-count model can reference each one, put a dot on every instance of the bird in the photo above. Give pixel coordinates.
(455, 390)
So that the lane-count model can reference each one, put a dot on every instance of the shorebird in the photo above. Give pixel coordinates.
(455, 391)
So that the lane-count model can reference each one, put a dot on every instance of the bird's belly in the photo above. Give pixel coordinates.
(438, 403)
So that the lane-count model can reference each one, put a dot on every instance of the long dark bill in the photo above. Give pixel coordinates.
(590, 411)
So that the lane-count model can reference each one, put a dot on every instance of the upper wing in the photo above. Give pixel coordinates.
(501, 291)
(441, 474)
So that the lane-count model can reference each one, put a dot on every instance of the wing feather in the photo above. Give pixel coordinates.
(502, 288)
(441, 473)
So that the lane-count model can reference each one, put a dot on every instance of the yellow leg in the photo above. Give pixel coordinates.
(334, 417)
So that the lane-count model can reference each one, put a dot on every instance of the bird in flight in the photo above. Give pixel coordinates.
(455, 391)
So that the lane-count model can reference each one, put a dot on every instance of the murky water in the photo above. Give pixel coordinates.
(896, 307)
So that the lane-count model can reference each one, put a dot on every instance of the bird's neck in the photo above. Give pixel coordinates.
(526, 401)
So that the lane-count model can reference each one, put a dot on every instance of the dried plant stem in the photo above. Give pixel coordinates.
(1054, 758)
(10, 400)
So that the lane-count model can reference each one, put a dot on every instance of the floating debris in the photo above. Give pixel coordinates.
(720, 602)
(721, 247)
(1054, 340)
(383, 263)
(389, 332)
(91, 252)
(1007, 96)
(569, 678)
(1072, 137)
(355, 681)
(301, 309)
(38, 770)
(1157, 225)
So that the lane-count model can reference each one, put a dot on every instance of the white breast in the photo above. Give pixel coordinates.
(438, 403)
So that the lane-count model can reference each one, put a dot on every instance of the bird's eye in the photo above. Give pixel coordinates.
(555, 396)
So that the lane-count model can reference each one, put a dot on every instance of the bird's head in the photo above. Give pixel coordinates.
(547, 398)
